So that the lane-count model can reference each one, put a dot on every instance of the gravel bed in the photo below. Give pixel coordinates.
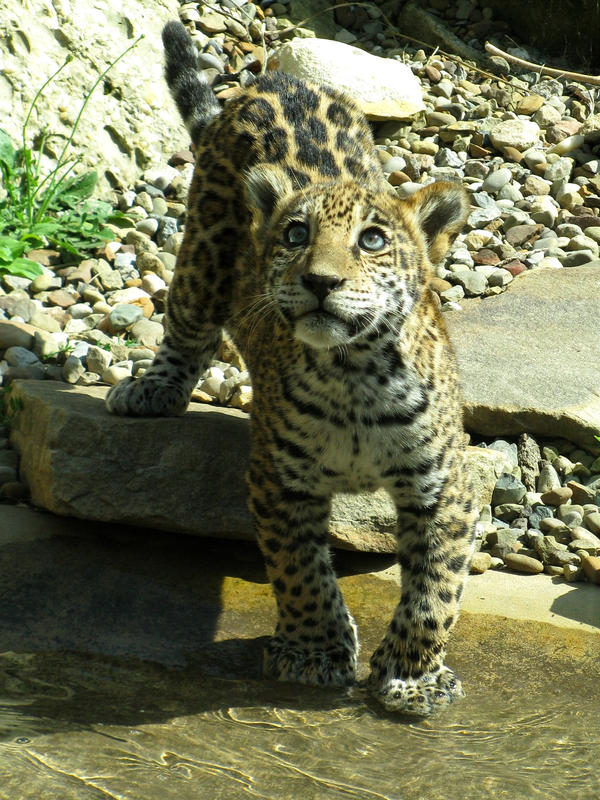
(544, 515)
(526, 148)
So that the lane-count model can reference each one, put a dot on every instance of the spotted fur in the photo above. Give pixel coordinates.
(297, 246)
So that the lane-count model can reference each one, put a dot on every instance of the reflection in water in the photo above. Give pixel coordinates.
(91, 711)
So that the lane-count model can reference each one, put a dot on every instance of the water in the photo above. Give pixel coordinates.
(129, 668)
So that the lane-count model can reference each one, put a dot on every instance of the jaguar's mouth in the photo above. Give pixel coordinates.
(322, 329)
(317, 314)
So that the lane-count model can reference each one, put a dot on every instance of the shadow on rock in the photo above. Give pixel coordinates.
(114, 627)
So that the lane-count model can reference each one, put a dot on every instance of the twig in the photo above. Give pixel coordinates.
(542, 68)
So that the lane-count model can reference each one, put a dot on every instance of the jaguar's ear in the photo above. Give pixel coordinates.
(441, 210)
(265, 188)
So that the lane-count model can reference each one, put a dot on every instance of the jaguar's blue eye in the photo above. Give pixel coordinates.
(296, 234)
(372, 240)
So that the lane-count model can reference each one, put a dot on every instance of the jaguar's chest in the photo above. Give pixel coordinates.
(351, 430)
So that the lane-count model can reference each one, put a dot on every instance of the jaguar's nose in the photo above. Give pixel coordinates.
(321, 285)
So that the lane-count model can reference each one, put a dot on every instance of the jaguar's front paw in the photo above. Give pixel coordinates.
(284, 660)
(422, 696)
(147, 397)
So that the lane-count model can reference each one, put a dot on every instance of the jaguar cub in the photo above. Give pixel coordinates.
(297, 246)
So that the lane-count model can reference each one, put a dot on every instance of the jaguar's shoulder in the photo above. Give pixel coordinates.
(312, 133)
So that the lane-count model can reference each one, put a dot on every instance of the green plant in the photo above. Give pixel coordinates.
(9, 406)
(54, 209)
(64, 350)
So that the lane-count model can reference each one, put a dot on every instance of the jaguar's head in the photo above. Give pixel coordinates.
(341, 262)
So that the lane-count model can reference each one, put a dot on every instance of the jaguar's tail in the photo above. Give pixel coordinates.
(195, 99)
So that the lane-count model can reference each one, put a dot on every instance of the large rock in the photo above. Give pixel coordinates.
(184, 474)
(529, 358)
(130, 121)
(382, 87)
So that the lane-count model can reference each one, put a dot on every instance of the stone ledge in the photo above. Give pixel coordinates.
(529, 358)
(184, 474)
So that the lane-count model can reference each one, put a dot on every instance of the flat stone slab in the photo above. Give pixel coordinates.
(530, 358)
(183, 474)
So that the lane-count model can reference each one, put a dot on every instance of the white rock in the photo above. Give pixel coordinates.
(148, 226)
(80, 349)
(127, 364)
(47, 344)
(581, 242)
(496, 180)
(453, 294)
(226, 389)
(114, 374)
(76, 326)
(544, 210)
(211, 386)
(445, 88)
(394, 164)
(593, 232)
(383, 87)
(461, 255)
(80, 310)
(98, 360)
(546, 115)
(568, 144)
(534, 156)
(511, 193)
(72, 369)
(151, 283)
(518, 133)
(161, 177)
(568, 196)
(549, 262)
(125, 296)
(214, 372)
(147, 332)
(124, 260)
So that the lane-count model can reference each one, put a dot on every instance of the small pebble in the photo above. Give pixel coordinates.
(521, 563)
(114, 374)
(556, 496)
(480, 563)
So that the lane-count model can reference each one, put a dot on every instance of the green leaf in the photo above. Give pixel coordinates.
(44, 228)
(66, 244)
(120, 219)
(7, 151)
(11, 248)
(23, 267)
(97, 208)
(77, 188)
